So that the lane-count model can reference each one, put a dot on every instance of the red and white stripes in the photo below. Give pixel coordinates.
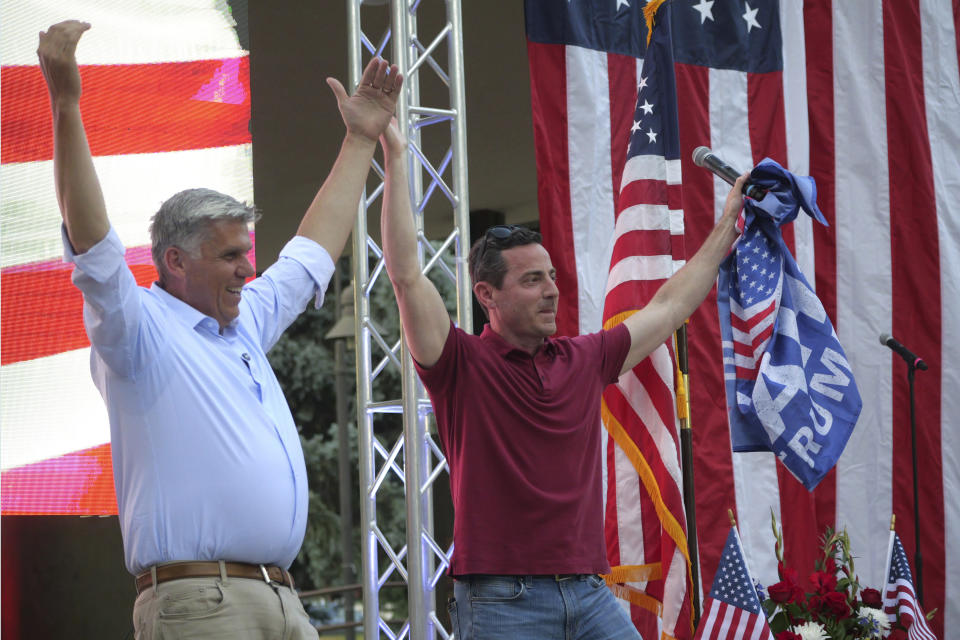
(166, 105)
(866, 104)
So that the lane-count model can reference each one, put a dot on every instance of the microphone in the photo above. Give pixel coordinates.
(912, 359)
(704, 157)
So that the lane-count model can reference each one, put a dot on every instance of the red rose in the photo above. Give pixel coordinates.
(780, 592)
(836, 604)
(787, 635)
(816, 604)
(871, 598)
(787, 574)
(823, 582)
(798, 595)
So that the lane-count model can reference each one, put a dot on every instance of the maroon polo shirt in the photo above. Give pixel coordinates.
(522, 437)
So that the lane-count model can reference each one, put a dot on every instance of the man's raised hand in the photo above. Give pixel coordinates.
(58, 61)
(392, 140)
(368, 111)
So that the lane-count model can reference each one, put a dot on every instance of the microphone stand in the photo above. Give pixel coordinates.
(918, 557)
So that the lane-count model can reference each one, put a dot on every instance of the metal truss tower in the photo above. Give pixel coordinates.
(425, 41)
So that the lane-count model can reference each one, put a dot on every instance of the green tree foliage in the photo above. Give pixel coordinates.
(304, 363)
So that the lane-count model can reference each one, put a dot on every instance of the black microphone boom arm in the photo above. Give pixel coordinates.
(912, 359)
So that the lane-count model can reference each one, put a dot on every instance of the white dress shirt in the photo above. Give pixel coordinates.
(207, 461)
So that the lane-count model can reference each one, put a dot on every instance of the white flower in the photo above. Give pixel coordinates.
(874, 620)
(811, 631)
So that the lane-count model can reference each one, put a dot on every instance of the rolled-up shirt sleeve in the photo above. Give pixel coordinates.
(277, 297)
(111, 302)
(315, 260)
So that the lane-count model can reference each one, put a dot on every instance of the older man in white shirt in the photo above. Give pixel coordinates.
(209, 473)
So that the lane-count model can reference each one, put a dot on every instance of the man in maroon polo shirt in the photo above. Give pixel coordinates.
(518, 414)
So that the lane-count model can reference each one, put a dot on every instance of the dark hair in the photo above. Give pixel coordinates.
(486, 262)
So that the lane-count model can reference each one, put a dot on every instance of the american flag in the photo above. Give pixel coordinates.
(899, 597)
(757, 284)
(639, 411)
(166, 104)
(733, 611)
(862, 96)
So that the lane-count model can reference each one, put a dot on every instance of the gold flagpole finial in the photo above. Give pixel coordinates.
(733, 521)
(893, 521)
(649, 11)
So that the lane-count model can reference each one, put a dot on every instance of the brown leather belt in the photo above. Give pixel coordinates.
(178, 570)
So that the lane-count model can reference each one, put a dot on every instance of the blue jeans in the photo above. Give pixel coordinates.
(537, 607)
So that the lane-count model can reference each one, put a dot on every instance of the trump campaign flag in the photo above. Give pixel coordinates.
(861, 96)
(790, 389)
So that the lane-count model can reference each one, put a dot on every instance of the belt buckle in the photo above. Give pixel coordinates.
(562, 577)
(266, 575)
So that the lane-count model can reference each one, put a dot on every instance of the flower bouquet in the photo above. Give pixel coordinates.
(837, 608)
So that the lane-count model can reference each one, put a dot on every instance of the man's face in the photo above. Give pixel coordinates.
(213, 280)
(526, 303)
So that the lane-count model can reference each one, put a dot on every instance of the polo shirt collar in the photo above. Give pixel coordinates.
(504, 348)
(188, 315)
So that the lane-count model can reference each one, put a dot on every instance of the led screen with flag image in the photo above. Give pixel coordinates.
(167, 107)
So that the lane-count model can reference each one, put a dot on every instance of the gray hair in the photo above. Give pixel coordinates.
(184, 220)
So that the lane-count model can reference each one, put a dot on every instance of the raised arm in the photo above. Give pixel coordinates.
(78, 189)
(682, 294)
(422, 312)
(330, 217)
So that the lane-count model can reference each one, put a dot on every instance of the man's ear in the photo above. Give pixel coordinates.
(484, 292)
(173, 261)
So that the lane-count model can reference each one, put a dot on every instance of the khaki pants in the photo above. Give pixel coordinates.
(237, 608)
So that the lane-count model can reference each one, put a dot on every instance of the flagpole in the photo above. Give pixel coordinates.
(686, 456)
(893, 532)
(917, 557)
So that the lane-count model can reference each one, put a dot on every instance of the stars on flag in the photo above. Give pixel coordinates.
(757, 268)
(742, 35)
(655, 98)
(750, 17)
(705, 7)
(732, 584)
(900, 597)
(899, 566)
(732, 610)
(647, 109)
